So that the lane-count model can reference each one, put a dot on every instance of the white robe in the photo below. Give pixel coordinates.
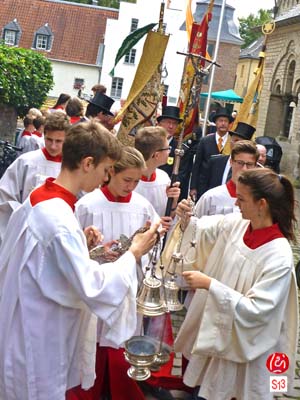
(155, 191)
(216, 201)
(26, 173)
(249, 312)
(114, 219)
(49, 288)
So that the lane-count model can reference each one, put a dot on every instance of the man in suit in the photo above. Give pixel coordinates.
(217, 143)
(218, 170)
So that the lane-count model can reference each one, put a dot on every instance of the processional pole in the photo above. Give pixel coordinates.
(213, 68)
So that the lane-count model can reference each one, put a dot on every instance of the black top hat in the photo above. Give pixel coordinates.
(103, 102)
(243, 130)
(222, 112)
(171, 112)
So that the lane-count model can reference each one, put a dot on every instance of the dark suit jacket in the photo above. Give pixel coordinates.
(168, 168)
(206, 148)
(215, 170)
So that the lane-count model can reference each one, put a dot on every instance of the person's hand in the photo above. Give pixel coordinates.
(142, 243)
(193, 194)
(184, 212)
(93, 236)
(166, 222)
(173, 191)
(196, 279)
(109, 254)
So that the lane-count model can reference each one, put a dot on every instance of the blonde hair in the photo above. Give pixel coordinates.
(130, 158)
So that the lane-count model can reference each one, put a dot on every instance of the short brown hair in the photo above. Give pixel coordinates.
(99, 88)
(150, 139)
(244, 146)
(89, 139)
(57, 121)
(74, 107)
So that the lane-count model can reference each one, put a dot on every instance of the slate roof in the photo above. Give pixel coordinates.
(253, 50)
(78, 29)
(288, 17)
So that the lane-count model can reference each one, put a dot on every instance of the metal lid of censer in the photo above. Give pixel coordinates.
(149, 301)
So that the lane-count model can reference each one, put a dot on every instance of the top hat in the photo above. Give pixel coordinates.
(222, 112)
(103, 102)
(243, 130)
(171, 112)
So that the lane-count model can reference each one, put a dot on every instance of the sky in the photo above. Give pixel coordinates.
(243, 8)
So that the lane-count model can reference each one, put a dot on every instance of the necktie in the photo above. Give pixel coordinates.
(220, 144)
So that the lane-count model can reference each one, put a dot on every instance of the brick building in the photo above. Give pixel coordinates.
(279, 110)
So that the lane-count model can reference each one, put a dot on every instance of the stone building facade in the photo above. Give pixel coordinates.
(279, 109)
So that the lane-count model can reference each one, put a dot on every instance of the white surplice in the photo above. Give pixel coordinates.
(49, 289)
(216, 201)
(114, 219)
(155, 191)
(26, 173)
(249, 312)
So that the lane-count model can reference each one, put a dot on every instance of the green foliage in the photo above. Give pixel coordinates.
(25, 78)
(247, 25)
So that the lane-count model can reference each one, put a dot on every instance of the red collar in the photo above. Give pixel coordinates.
(231, 187)
(151, 179)
(50, 190)
(26, 133)
(112, 198)
(73, 120)
(37, 133)
(51, 158)
(258, 237)
(58, 108)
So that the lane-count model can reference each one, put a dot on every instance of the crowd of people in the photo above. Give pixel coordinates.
(64, 317)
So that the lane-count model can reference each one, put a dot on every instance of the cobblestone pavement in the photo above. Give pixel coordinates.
(177, 319)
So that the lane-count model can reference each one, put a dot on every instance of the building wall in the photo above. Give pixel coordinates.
(65, 74)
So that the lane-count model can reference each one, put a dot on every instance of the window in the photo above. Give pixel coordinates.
(130, 57)
(116, 88)
(10, 37)
(41, 42)
(242, 71)
(43, 38)
(11, 33)
(134, 24)
(78, 83)
(166, 89)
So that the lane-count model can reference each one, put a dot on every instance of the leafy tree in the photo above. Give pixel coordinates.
(25, 78)
(247, 26)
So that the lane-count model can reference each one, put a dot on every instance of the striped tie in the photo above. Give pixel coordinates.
(220, 144)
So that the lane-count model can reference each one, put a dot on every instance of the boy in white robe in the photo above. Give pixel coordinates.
(222, 199)
(49, 287)
(153, 143)
(31, 169)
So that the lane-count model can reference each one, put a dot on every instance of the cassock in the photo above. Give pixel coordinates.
(219, 200)
(51, 293)
(154, 189)
(248, 313)
(26, 173)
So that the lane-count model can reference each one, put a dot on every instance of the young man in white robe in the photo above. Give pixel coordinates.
(31, 169)
(222, 199)
(51, 291)
(153, 143)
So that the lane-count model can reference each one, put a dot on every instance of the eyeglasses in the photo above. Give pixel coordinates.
(242, 163)
(165, 149)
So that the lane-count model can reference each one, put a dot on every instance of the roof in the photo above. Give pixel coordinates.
(78, 29)
(230, 30)
(225, 95)
(253, 50)
(288, 17)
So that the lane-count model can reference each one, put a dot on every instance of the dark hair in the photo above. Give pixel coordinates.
(74, 108)
(89, 139)
(244, 146)
(149, 139)
(62, 99)
(99, 88)
(38, 122)
(27, 121)
(57, 121)
(279, 194)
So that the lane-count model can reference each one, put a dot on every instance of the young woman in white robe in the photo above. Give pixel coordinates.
(245, 305)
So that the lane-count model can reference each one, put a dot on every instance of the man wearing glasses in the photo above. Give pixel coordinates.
(222, 199)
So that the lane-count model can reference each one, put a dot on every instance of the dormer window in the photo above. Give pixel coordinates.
(43, 38)
(12, 33)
